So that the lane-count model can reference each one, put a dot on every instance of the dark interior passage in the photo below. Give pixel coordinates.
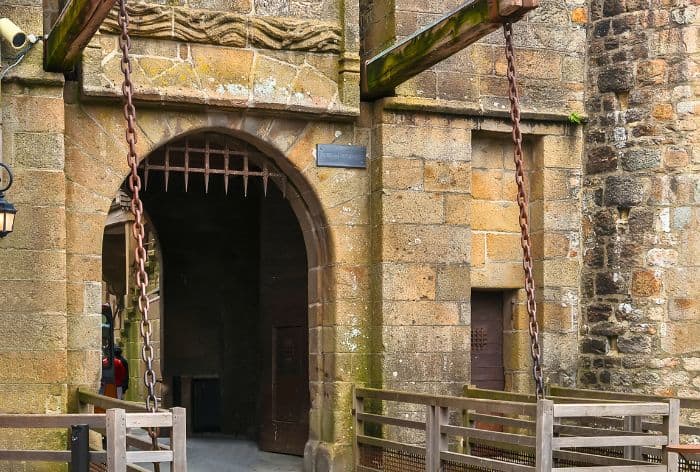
(235, 327)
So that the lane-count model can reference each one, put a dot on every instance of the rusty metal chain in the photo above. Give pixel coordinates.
(523, 204)
(146, 328)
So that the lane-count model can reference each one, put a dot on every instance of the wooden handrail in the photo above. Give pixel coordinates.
(478, 404)
(472, 392)
(101, 401)
(686, 402)
(579, 410)
(50, 421)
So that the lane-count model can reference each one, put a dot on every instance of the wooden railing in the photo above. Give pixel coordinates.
(504, 434)
(123, 450)
(574, 395)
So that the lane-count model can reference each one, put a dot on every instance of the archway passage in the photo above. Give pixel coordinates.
(234, 284)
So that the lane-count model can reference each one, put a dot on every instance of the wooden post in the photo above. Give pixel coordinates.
(545, 433)
(178, 440)
(358, 407)
(78, 22)
(116, 440)
(671, 429)
(457, 30)
(632, 423)
(435, 441)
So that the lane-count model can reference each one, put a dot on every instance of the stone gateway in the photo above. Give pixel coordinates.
(278, 284)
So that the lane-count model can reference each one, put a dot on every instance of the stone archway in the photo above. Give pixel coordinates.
(330, 204)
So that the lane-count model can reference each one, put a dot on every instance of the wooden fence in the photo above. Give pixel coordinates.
(124, 450)
(485, 434)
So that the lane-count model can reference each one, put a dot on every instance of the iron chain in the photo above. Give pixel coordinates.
(146, 329)
(523, 205)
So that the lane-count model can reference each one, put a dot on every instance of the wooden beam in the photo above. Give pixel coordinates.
(471, 22)
(75, 26)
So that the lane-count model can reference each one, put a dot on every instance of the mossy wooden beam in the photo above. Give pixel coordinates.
(75, 26)
(474, 20)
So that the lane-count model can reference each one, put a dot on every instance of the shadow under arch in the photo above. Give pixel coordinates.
(303, 199)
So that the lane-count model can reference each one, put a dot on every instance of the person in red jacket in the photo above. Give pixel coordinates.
(121, 375)
(121, 372)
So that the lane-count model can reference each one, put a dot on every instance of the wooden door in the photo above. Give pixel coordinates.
(284, 426)
(487, 340)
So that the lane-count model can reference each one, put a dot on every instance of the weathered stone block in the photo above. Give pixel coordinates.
(623, 191)
(601, 159)
(426, 243)
(611, 283)
(413, 207)
(495, 216)
(503, 247)
(595, 346)
(419, 313)
(447, 176)
(645, 284)
(641, 158)
(453, 282)
(615, 79)
(408, 281)
(401, 174)
(38, 150)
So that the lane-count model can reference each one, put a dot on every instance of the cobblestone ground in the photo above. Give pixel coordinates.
(221, 454)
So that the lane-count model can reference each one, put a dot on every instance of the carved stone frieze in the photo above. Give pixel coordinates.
(228, 29)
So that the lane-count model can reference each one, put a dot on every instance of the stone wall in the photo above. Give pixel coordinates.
(642, 199)
(276, 55)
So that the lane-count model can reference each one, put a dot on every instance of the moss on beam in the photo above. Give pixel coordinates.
(472, 21)
(75, 26)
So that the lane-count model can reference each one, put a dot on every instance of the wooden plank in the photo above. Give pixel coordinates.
(609, 441)
(614, 468)
(116, 440)
(503, 420)
(475, 433)
(686, 402)
(472, 21)
(588, 431)
(488, 464)
(544, 434)
(391, 421)
(594, 459)
(39, 456)
(178, 439)
(459, 403)
(527, 398)
(377, 442)
(76, 24)
(91, 398)
(671, 430)
(50, 421)
(149, 456)
(149, 420)
(143, 444)
(620, 409)
(29, 455)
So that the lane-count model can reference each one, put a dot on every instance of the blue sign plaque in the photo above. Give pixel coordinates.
(341, 155)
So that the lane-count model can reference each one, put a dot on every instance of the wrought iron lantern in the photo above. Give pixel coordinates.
(7, 209)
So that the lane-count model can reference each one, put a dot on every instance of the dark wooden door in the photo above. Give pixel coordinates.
(487, 340)
(284, 426)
